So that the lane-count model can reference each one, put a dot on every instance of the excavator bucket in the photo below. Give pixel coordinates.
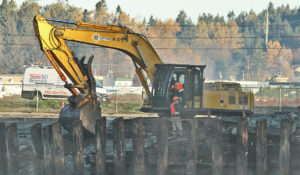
(88, 114)
(87, 111)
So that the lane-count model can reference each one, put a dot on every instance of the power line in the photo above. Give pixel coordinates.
(291, 22)
(10, 34)
(168, 48)
(224, 48)
(196, 25)
(221, 37)
(20, 44)
(191, 37)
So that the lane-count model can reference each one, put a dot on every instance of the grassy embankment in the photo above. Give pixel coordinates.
(126, 104)
(289, 97)
(266, 102)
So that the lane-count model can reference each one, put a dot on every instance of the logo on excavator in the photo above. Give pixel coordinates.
(97, 37)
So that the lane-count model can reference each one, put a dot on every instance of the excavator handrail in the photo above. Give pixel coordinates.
(61, 20)
(115, 28)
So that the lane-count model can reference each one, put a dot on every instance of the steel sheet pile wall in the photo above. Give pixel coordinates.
(147, 146)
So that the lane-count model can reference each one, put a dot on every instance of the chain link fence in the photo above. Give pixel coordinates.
(277, 98)
(127, 99)
(11, 100)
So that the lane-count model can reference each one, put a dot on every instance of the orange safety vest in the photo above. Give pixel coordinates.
(178, 86)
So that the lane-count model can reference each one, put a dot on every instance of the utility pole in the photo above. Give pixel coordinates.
(110, 71)
(267, 28)
(248, 69)
(117, 100)
(37, 100)
(243, 76)
(280, 99)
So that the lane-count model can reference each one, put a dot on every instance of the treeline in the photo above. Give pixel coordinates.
(232, 47)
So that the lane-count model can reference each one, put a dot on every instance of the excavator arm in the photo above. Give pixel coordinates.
(52, 40)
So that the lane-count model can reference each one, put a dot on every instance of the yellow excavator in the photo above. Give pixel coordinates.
(83, 103)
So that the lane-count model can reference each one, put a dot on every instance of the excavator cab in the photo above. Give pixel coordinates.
(191, 96)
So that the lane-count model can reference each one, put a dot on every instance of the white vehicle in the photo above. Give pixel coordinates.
(45, 83)
(1, 89)
(101, 92)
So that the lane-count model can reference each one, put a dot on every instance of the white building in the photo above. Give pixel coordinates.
(123, 82)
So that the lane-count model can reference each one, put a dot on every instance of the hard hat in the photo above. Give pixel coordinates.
(175, 98)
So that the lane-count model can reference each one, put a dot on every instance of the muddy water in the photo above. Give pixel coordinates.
(26, 155)
(24, 126)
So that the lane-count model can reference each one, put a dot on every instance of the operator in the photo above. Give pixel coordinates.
(175, 112)
(176, 86)
(176, 89)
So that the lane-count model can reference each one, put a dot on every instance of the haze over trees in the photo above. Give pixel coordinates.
(233, 47)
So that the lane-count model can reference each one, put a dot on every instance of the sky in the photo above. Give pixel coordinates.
(165, 9)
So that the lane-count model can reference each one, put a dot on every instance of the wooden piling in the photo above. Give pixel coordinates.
(48, 168)
(242, 147)
(58, 149)
(217, 148)
(261, 147)
(3, 161)
(37, 146)
(208, 113)
(12, 149)
(138, 146)
(191, 129)
(244, 114)
(100, 144)
(192, 147)
(78, 157)
(119, 146)
(284, 152)
(162, 146)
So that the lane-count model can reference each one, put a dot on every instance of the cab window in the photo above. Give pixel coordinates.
(179, 77)
(98, 84)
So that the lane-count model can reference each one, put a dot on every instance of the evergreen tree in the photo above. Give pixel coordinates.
(152, 21)
(188, 29)
(101, 4)
(182, 18)
(4, 4)
(231, 15)
(219, 19)
(12, 5)
(117, 15)
(87, 16)
(207, 18)
(119, 10)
